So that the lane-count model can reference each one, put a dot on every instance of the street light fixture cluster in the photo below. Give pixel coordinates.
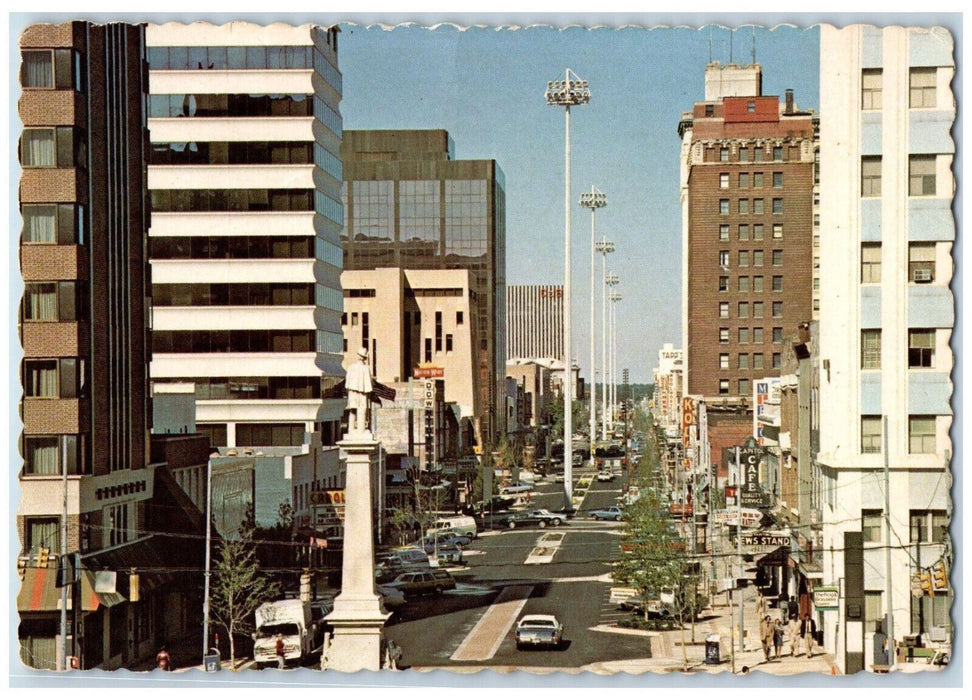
(571, 91)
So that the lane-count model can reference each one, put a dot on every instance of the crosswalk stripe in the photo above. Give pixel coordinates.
(493, 626)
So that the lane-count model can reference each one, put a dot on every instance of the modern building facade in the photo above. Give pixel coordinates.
(245, 178)
(747, 183)
(886, 321)
(409, 204)
(534, 321)
(667, 381)
(92, 484)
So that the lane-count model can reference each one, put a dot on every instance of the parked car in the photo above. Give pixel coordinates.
(496, 503)
(447, 539)
(513, 489)
(539, 517)
(447, 554)
(393, 562)
(423, 582)
(612, 513)
(539, 630)
(390, 597)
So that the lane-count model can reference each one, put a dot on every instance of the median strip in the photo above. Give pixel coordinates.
(484, 640)
(545, 549)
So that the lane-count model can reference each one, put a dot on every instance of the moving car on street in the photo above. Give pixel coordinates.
(539, 631)
(605, 476)
(539, 517)
(432, 582)
(612, 513)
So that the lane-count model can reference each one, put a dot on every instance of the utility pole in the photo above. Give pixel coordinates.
(887, 540)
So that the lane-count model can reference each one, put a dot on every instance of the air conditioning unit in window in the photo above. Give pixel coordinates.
(922, 274)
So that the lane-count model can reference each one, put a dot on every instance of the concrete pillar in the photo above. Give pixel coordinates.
(357, 618)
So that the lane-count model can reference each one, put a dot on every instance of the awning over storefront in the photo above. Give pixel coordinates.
(777, 557)
(38, 593)
(151, 557)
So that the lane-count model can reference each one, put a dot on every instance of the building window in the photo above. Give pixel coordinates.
(777, 258)
(743, 309)
(723, 284)
(777, 230)
(723, 258)
(723, 387)
(723, 206)
(921, 434)
(777, 180)
(873, 610)
(743, 180)
(777, 283)
(117, 525)
(743, 232)
(724, 360)
(710, 110)
(758, 335)
(743, 258)
(758, 207)
(757, 232)
(743, 360)
(758, 360)
(870, 263)
(723, 335)
(758, 280)
(870, 434)
(723, 232)
(921, 347)
(724, 155)
(42, 532)
(428, 349)
(921, 176)
(928, 526)
(757, 309)
(758, 154)
(724, 181)
(777, 360)
(777, 153)
(777, 334)
(47, 69)
(871, 88)
(922, 87)
(448, 345)
(438, 331)
(757, 178)
(751, 107)
(757, 258)
(743, 336)
(871, 176)
(744, 388)
(743, 284)
(723, 309)
(921, 262)
(743, 155)
(777, 205)
(777, 309)
(459, 318)
(743, 206)
(872, 525)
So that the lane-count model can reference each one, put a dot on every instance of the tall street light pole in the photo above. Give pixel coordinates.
(564, 93)
(604, 246)
(593, 200)
(611, 281)
(615, 297)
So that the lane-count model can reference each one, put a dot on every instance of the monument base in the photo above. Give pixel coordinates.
(355, 645)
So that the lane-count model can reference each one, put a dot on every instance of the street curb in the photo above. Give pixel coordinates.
(622, 630)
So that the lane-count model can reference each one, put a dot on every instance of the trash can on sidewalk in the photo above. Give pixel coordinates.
(211, 662)
(712, 649)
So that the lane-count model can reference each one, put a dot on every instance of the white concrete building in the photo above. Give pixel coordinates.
(245, 179)
(667, 380)
(886, 317)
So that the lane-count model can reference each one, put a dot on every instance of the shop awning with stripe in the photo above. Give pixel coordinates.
(38, 592)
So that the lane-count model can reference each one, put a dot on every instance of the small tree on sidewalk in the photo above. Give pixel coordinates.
(238, 587)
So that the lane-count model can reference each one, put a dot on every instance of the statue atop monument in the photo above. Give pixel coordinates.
(359, 385)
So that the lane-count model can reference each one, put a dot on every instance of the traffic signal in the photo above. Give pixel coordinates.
(42, 554)
(939, 576)
(926, 583)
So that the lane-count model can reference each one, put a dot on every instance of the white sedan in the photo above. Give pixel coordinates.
(539, 630)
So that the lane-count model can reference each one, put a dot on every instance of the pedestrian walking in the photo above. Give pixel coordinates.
(794, 629)
(766, 635)
(163, 660)
(778, 638)
(394, 655)
(280, 651)
(761, 607)
(808, 630)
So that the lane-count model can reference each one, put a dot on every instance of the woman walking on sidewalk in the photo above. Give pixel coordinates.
(778, 638)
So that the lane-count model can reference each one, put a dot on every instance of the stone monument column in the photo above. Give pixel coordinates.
(358, 617)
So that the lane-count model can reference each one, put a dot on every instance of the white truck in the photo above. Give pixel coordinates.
(299, 624)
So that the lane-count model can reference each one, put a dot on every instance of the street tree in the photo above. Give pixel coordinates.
(238, 587)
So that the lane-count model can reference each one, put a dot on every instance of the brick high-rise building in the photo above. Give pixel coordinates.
(747, 184)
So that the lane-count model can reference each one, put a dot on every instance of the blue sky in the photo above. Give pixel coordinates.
(485, 86)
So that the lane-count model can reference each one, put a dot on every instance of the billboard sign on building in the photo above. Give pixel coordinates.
(752, 494)
(688, 420)
(428, 372)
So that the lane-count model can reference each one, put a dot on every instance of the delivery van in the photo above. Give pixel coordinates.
(459, 524)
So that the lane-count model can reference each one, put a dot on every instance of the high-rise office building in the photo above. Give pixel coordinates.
(747, 184)
(886, 319)
(534, 321)
(245, 179)
(409, 204)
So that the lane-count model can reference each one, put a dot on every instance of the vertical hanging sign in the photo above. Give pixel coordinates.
(429, 404)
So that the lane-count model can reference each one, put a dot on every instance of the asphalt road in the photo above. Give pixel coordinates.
(474, 622)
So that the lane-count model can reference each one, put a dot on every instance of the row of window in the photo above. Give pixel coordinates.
(230, 57)
(231, 247)
(922, 88)
(49, 455)
(743, 284)
(922, 179)
(925, 526)
(921, 435)
(743, 257)
(54, 301)
(62, 378)
(232, 341)
(747, 154)
(921, 263)
(51, 69)
(743, 232)
(62, 224)
(53, 147)
(758, 206)
(743, 307)
(233, 153)
(224, 105)
(233, 294)
(233, 200)
(743, 180)
(921, 348)
(756, 336)
(256, 387)
(742, 360)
